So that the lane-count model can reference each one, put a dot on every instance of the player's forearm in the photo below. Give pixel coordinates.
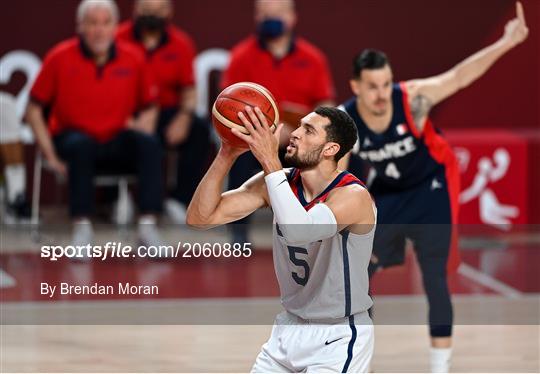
(34, 116)
(207, 197)
(476, 65)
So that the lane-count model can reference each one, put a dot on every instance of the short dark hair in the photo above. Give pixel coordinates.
(341, 129)
(369, 59)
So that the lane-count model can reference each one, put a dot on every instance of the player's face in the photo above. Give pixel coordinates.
(276, 9)
(97, 28)
(374, 90)
(308, 143)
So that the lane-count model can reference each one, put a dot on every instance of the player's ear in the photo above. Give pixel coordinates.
(354, 83)
(331, 149)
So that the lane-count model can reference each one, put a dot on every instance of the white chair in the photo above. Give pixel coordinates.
(121, 180)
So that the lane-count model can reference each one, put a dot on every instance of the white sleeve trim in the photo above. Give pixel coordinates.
(297, 226)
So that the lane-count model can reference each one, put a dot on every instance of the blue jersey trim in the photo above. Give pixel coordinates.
(346, 272)
(326, 190)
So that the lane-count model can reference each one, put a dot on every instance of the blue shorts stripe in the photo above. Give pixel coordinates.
(350, 346)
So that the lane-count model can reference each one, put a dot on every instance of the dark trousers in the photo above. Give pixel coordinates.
(128, 152)
(194, 154)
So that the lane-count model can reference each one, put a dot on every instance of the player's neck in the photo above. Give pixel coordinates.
(376, 123)
(315, 180)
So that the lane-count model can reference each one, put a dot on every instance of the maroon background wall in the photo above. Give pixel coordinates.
(422, 37)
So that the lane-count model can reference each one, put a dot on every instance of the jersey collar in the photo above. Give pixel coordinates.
(300, 188)
(165, 37)
(87, 53)
(292, 45)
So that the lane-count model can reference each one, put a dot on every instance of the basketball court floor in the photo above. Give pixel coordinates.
(213, 314)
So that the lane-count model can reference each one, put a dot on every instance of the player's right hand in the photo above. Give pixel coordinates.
(229, 151)
(516, 30)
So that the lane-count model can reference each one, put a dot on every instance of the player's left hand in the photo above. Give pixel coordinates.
(516, 30)
(263, 143)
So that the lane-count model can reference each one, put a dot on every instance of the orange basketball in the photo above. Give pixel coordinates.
(234, 99)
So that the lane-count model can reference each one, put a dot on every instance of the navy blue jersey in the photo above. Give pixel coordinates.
(401, 157)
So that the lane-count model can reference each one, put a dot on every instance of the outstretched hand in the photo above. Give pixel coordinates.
(516, 30)
(262, 142)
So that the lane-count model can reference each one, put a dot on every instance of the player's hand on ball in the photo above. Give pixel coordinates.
(263, 143)
(231, 151)
(516, 30)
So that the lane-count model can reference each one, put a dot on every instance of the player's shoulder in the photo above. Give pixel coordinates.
(350, 187)
(348, 106)
(309, 49)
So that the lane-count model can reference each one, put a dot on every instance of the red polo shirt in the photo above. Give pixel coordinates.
(300, 77)
(171, 61)
(97, 100)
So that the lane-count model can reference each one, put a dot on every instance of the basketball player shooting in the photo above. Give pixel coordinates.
(414, 173)
(324, 223)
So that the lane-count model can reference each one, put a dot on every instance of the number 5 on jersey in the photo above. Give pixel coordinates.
(293, 251)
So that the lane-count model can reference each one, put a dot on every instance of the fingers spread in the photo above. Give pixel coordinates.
(246, 122)
(244, 137)
(253, 117)
(262, 119)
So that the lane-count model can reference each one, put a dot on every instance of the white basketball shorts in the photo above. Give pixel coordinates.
(297, 345)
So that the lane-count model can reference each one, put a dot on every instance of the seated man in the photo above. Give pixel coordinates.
(170, 53)
(12, 158)
(293, 69)
(93, 87)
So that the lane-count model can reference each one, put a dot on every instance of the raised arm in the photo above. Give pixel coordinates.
(425, 93)
(211, 207)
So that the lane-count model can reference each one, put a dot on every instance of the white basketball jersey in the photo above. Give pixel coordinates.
(328, 278)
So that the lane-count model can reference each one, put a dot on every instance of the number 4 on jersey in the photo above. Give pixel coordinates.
(392, 171)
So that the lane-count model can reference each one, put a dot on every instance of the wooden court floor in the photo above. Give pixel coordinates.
(233, 348)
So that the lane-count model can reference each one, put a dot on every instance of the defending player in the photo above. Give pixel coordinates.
(324, 222)
(414, 174)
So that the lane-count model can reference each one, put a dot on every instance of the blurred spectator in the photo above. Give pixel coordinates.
(102, 117)
(12, 157)
(170, 52)
(294, 70)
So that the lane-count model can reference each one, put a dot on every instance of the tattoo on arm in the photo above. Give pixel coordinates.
(420, 107)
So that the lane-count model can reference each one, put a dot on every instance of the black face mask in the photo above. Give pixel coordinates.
(270, 28)
(150, 23)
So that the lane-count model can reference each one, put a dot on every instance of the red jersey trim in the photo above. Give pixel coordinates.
(407, 109)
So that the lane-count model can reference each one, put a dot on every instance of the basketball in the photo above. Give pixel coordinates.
(234, 99)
